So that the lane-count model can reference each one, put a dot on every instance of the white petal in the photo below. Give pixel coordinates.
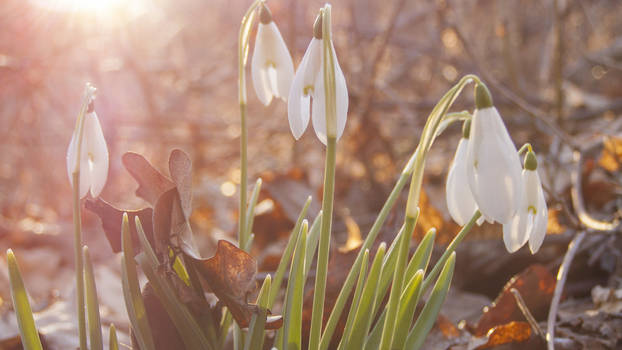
(515, 232)
(311, 62)
(494, 169)
(319, 101)
(259, 64)
(532, 187)
(283, 62)
(71, 163)
(97, 158)
(71, 157)
(298, 108)
(537, 236)
(298, 103)
(318, 109)
(460, 200)
(341, 90)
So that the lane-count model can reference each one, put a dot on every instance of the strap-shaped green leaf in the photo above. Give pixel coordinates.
(426, 319)
(358, 291)
(255, 336)
(113, 343)
(363, 314)
(286, 257)
(408, 304)
(250, 213)
(289, 337)
(131, 291)
(312, 242)
(27, 329)
(421, 258)
(393, 305)
(430, 276)
(92, 304)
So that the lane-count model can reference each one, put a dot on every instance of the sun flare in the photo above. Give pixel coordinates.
(98, 7)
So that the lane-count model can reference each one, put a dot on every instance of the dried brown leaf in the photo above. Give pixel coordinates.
(151, 183)
(171, 224)
(535, 284)
(509, 333)
(180, 167)
(230, 273)
(112, 217)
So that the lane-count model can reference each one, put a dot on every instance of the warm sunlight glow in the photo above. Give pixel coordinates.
(98, 8)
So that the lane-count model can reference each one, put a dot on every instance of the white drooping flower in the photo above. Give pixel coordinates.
(460, 201)
(272, 67)
(309, 84)
(530, 220)
(93, 156)
(493, 166)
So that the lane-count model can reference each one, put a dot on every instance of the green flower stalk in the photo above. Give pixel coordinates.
(75, 159)
(330, 98)
(243, 45)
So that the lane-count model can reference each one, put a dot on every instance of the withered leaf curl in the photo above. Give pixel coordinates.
(230, 274)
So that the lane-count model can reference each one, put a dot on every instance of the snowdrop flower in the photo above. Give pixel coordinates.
(271, 66)
(530, 220)
(93, 156)
(460, 201)
(309, 83)
(493, 166)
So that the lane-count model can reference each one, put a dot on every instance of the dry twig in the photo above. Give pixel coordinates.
(559, 287)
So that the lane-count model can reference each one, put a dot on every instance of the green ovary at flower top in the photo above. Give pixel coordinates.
(309, 84)
(272, 67)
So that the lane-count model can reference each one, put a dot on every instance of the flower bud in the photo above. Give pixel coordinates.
(531, 162)
(265, 16)
(482, 96)
(317, 27)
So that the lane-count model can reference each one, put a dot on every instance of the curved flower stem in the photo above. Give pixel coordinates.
(77, 221)
(525, 148)
(243, 40)
(450, 249)
(430, 131)
(441, 121)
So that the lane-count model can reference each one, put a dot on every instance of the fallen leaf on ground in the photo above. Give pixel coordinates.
(535, 284)
(509, 333)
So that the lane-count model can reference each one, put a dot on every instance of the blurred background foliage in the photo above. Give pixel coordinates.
(166, 76)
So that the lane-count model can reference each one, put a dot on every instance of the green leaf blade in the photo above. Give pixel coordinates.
(134, 302)
(92, 303)
(364, 315)
(25, 320)
(426, 319)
